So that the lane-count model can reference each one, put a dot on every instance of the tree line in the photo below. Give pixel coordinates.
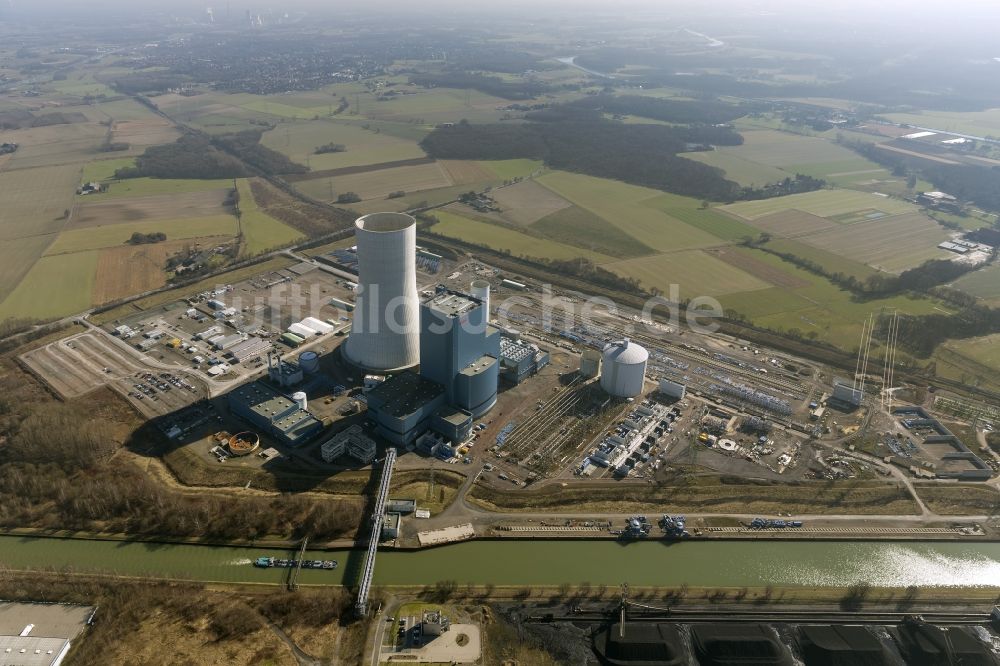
(491, 85)
(638, 154)
(928, 275)
(200, 156)
(980, 184)
(687, 112)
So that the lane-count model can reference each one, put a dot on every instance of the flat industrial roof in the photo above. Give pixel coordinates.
(452, 304)
(405, 393)
(32, 650)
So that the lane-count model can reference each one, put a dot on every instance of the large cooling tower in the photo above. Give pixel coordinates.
(385, 334)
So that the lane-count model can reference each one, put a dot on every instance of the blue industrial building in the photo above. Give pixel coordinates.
(520, 360)
(459, 372)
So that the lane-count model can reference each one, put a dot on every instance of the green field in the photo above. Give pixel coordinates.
(54, 287)
(435, 105)
(501, 238)
(984, 283)
(144, 187)
(299, 141)
(976, 123)
(820, 307)
(892, 244)
(740, 169)
(984, 351)
(35, 202)
(832, 263)
(578, 226)
(690, 212)
(101, 170)
(824, 203)
(787, 151)
(95, 238)
(261, 231)
(696, 272)
(631, 209)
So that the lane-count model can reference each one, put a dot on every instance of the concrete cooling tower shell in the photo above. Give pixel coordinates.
(385, 334)
(624, 369)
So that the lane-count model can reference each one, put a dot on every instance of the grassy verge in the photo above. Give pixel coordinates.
(957, 499)
(707, 495)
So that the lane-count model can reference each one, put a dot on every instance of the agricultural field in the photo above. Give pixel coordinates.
(527, 202)
(891, 244)
(378, 184)
(95, 211)
(507, 169)
(502, 238)
(833, 263)
(984, 283)
(738, 168)
(112, 235)
(55, 286)
(55, 145)
(630, 208)
(431, 106)
(102, 170)
(35, 203)
(697, 273)
(824, 203)
(790, 152)
(582, 228)
(974, 361)
(792, 223)
(144, 187)
(975, 123)
(464, 172)
(817, 307)
(299, 140)
(261, 231)
(145, 267)
(983, 352)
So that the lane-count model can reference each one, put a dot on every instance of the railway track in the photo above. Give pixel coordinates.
(649, 613)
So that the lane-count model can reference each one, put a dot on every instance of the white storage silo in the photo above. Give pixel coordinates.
(624, 368)
(300, 399)
(385, 333)
(481, 289)
(309, 362)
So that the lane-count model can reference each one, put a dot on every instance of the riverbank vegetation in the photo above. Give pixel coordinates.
(140, 622)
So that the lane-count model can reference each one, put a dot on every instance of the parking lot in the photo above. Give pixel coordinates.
(87, 361)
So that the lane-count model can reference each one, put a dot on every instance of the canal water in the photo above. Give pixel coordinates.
(538, 562)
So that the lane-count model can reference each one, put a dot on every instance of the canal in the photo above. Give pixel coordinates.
(538, 562)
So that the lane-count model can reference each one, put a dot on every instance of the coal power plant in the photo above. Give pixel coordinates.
(385, 333)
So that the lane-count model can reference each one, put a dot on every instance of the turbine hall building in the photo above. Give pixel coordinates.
(458, 375)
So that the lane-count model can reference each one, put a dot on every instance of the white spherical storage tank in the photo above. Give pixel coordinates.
(385, 333)
(624, 368)
(481, 289)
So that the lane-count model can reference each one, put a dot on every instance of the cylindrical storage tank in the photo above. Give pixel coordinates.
(385, 333)
(481, 289)
(624, 368)
(309, 362)
(590, 364)
(300, 399)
